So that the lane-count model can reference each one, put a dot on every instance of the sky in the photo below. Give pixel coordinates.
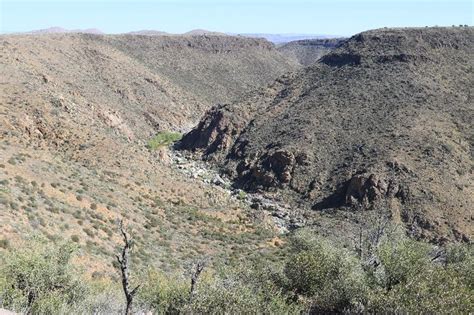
(336, 17)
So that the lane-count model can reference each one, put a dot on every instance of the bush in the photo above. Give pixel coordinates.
(331, 279)
(317, 277)
(401, 260)
(4, 243)
(408, 281)
(38, 278)
(246, 289)
(163, 294)
(163, 138)
(437, 290)
(230, 290)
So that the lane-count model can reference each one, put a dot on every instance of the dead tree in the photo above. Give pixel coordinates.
(377, 224)
(196, 272)
(123, 260)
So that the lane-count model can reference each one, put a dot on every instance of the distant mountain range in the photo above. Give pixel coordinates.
(274, 38)
(285, 38)
(56, 29)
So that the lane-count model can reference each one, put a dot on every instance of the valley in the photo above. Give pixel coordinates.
(252, 157)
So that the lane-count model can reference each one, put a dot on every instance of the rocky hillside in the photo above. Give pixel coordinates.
(382, 122)
(308, 51)
(79, 117)
(151, 82)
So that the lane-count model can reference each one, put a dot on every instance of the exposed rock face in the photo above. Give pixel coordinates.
(273, 169)
(392, 106)
(214, 133)
(368, 188)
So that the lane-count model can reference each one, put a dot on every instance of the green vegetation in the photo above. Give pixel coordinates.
(163, 138)
(315, 276)
(330, 277)
(39, 278)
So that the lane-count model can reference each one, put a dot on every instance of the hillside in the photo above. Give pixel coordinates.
(382, 122)
(79, 118)
(168, 80)
(308, 51)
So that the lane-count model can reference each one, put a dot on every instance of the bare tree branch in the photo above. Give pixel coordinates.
(198, 268)
(123, 260)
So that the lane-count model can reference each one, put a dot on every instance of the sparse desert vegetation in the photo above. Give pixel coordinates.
(314, 275)
(214, 174)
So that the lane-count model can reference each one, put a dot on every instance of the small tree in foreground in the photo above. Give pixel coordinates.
(124, 263)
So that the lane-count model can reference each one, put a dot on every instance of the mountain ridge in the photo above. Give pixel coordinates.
(351, 131)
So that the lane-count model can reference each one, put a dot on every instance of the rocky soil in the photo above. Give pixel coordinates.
(76, 114)
(383, 121)
(283, 217)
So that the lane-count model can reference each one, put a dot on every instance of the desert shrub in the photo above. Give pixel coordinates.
(163, 138)
(401, 260)
(247, 289)
(330, 278)
(438, 290)
(4, 243)
(163, 294)
(409, 281)
(227, 290)
(88, 232)
(39, 278)
(104, 297)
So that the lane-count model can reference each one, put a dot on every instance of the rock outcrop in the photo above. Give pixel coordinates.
(386, 115)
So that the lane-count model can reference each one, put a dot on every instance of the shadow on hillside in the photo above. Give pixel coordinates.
(335, 200)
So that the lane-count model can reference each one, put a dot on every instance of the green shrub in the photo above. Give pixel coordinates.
(408, 281)
(38, 278)
(330, 278)
(248, 288)
(163, 138)
(438, 290)
(163, 294)
(4, 243)
(401, 260)
(229, 290)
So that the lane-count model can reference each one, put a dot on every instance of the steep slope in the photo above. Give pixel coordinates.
(384, 121)
(167, 81)
(308, 51)
(76, 114)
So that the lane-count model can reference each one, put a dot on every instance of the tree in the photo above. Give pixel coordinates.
(124, 262)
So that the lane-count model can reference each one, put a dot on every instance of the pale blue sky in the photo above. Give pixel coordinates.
(336, 17)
